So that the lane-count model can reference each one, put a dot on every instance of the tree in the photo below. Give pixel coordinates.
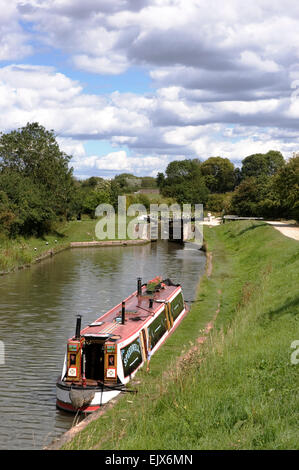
(35, 176)
(185, 183)
(256, 197)
(148, 182)
(128, 182)
(27, 203)
(100, 194)
(219, 174)
(91, 182)
(286, 185)
(160, 180)
(7, 215)
(238, 177)
(262, 164)
(219, 202)
(245, 198)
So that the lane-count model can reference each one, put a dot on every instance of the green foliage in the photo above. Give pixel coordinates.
(219, 174)
(265, 186)
(148, 182)
(185, 183)
(91, 182)
(7, 216)
(100, 193)
(127, 182)
(160, 180)
(246, 198)
(286, 184)
(269, 195)
(35, 177)
(37, 187)
(219, 202)
(261, 164)
(138, 198)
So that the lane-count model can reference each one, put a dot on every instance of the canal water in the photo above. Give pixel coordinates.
(38, 308)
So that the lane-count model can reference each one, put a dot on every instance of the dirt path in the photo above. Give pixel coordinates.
(288, 229)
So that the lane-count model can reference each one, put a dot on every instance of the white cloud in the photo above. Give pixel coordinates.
(13, 39)
(252, 60)
(72, 147)
(222, 77)
(117, 162)
(113, 64)
(155, 128)
(107, 37)
(29, 93)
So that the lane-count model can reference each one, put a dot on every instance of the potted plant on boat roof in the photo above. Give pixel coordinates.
(153, 285)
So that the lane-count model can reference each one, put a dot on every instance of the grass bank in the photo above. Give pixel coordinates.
(238, 390)
(22, 252)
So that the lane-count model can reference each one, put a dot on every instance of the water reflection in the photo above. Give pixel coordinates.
(37, 315)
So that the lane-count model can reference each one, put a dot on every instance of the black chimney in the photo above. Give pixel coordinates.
(151, 303)
(139, 286)
(78, 327)
(123, 312)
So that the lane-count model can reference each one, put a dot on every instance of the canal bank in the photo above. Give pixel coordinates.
(38, 314)
(134, 387)
(54, 251)
(236, 389)
(21, 253)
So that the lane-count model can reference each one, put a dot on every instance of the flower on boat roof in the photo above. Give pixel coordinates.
(156, 280)
(151, 285)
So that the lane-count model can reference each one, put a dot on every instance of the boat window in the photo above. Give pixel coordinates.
(72, 359)
(177, 305)
(157, 329)
(111, 360)
(131, 356)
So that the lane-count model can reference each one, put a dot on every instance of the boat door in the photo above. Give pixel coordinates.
(94, 358)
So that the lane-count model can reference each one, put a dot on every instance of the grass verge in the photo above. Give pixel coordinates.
(20, 252)
(238, 390)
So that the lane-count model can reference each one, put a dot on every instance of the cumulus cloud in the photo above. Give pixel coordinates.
(13, 39)
(40, 93)
(156, 128)
(225, 77)
(117, 162)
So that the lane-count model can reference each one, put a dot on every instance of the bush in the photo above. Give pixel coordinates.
(219, 202)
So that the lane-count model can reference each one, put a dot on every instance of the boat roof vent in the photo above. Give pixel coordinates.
(96, 323)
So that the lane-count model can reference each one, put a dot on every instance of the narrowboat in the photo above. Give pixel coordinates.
(105, 355)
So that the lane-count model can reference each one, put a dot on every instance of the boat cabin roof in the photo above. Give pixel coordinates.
(137, 313)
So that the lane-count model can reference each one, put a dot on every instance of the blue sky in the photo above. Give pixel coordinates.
(129, 86)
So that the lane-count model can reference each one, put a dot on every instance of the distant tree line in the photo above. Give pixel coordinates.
(91, 192)
(38, 189)
(265, 185)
